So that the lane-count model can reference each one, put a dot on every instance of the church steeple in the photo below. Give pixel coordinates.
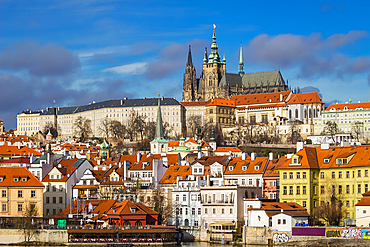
(190, 60)
(159, 144)
(214, 57)
(241, 62)
(205, 59)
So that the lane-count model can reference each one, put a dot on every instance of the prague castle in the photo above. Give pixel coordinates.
(216, 82)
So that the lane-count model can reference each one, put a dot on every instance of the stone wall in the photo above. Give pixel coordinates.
(45, 236)
(257, 235)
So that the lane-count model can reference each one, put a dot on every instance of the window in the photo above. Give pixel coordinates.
(20, 193)
(321, 174)
(213, 211)
(47, 200)
(347, 174)
(366, 187)
(285, 190)
(60, 200)
(290, 190)
(359, 188)
(333, 175)
(284, 221)
(366, 173)
(284, 175)
(347, 189)
(347, 203)
(3, 193)
(3, 207)
(340, 189)
(33, 193)
(304, 203)
(314, 190)
(304, 190)
(54, 200)
(199, 211)
(314, 175)
(298, 190)
(322, 190)
(222, 211)
(279, 221)
(339, 174)
(180, 211)
(184, 198)
(177, 198)
(206, 211)
(298, 175)
(290, 175)
(186, 211)
(303, 175)
(359, 173)
(231, 211)
(20, 207)
(54, 188)
(15, 179)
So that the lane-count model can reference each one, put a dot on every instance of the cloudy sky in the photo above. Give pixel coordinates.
(81, 51)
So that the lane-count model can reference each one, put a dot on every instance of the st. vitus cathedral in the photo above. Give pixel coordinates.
(216, 82)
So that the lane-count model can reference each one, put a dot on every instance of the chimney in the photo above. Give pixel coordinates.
(299, 146)
(119, 165)
(138, 157)
(177, 180)
(244, 156)
(271, 156)
(325, 146)
(253, 156)
(281, 97)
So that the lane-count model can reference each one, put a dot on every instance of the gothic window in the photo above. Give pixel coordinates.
(314, 112)
(296, 113)
(290, 114)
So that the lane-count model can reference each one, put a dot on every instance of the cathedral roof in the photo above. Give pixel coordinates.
(271, 78)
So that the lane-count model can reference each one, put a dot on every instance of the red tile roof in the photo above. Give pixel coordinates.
(227, 149)
(222, 102)
(304, 98)
(8, 173)
(195, 103)
(262, 98)
(350, 106)
(13, 150)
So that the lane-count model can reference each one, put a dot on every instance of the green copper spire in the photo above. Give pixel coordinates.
(241, 63)
(159, 126)
(214, 57)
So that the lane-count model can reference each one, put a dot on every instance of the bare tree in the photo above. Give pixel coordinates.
(357, 130)
(149, 130)
(161, 202)
(135, 125)
(117, 129)
(192, 124)
(104, 127)
(82, 128)
(50, 127)
(331, 128)
(167, 129)
(294, 136)
(29, 228)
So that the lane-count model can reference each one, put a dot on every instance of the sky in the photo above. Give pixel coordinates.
(76, 52)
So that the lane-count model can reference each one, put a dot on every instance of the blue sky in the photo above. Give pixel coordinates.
(77, 52)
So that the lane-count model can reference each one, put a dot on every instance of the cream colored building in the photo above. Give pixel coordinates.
(120, 110)
(19, 190)
(28, 123)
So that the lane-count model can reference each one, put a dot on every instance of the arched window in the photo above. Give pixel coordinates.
(186, 222)
(305, 113)
(309, 113)
(290, 114)
(314, 112)
(296, 113)
(138, 223)
(127, 223)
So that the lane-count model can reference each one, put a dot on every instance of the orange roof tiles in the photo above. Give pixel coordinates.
(272, 169)
(289, 208)
(170, 177)
(125, 207)
(227, 149)
(65, 167)
(222, 102)
(350, 106)
(303, 98)
(262, 98)
(247, 166)
(8, 173)
(195, 103)
(13, 150)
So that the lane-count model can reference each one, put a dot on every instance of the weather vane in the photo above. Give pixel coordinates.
(214, 26)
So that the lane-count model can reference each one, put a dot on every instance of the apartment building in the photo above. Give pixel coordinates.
(19, 190)
(313, 175)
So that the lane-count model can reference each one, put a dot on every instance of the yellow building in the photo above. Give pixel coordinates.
(313, 175)
(19, 190)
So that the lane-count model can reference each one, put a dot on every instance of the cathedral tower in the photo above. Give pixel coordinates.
(190, 87)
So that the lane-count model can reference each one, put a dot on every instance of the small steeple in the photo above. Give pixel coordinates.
(205, 59)
(190, 60)
(224, 59)
(159, 144)
(241, 62)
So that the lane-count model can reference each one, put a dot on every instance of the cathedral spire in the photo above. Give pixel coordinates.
(190, 60)
(241, 62)
(205, 59)
(214, 57)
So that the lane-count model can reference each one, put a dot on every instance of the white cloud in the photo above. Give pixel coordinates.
(134, 69)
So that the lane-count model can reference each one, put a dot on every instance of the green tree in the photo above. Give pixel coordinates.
(82, 128)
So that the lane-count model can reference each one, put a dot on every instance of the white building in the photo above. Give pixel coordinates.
(363, 211)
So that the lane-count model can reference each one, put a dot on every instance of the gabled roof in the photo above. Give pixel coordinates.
(170, 177)
(222, 102)
(273, 166)
(99, 207)
(124, 208)
(246, 166)
(290, 208)
(8, 173)
(66, 167)
(13, 150)
(228, 149)
(305, 98)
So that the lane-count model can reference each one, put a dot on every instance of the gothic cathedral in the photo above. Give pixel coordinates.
(215, 82)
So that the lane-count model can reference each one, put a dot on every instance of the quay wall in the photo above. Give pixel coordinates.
(8, 236)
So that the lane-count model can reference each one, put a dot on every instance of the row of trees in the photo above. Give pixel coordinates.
(331, 129)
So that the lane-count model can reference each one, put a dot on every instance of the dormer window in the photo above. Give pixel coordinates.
(244, 168)
(231, 168)
(24, 179)
(1, 179)
(256, 168)
(295, 160)
(15, 179)
(133, 210)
